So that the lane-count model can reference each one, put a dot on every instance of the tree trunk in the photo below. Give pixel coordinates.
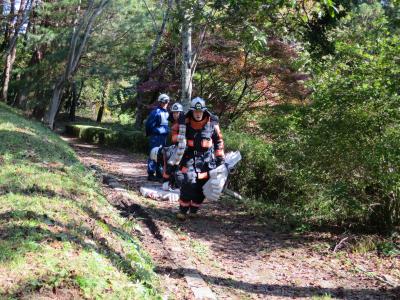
(160, 33)
(9, 28)
(10, 59)
(139, 107)
(10, 42)
(100, 112)
(39, 110)
(79, 39)
(74, 101)
(149, 67)
(8, 25)
(22, 98)
(104, 95)
(186, 77)
(55, 102)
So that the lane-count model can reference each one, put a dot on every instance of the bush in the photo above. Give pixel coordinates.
(260, 174)
(351, 136)
(133, 140)
(342, 151)
(337, 159)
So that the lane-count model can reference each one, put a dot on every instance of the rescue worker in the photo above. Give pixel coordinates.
(204, 152)
(157, 130)
(177, 118)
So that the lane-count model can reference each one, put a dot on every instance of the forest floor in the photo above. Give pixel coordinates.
(237, 256)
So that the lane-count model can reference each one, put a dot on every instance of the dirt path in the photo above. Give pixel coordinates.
(238, 257)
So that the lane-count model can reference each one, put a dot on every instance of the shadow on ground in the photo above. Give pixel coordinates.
(292, 291)
(16, 239)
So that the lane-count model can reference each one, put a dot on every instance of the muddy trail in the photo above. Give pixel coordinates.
(230, 254)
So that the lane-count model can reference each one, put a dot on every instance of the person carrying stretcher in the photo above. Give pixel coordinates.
(169, 157)
(204, 153)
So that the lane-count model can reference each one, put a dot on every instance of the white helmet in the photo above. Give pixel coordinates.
(163, 98)
(176, 107)
(198, 104)
(154, 153)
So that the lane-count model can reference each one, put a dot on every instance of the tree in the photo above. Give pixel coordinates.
(79, 39)
(150, 64)
(12, 31)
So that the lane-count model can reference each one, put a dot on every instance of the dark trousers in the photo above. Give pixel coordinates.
(191, 196)
(154, 167)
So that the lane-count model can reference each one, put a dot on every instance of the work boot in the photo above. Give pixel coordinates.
(193, 210)
(182, 214)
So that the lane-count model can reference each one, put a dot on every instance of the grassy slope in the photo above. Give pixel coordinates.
(58, 234)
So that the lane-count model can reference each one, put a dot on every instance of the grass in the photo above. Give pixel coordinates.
(57, 231)
(202, 251)
(323, 297)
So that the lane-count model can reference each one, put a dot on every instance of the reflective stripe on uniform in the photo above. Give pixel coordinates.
(164, 118)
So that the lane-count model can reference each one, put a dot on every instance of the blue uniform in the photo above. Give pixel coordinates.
(157, 129)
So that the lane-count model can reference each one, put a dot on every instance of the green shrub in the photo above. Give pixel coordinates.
(352, 135)
(133, 140)
(336, 160)
(259, 174)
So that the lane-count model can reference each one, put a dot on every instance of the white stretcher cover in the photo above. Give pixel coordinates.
(157, 193)
(212, 189)
(214, 186)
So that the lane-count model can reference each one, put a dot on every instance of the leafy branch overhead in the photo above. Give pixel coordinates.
(310, 88)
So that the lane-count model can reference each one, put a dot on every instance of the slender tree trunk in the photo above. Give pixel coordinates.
(102, 103)
(79, 39)
(9, 29)
(150, 58)
(10, 59)
(39, 110)
(186, 77)
(22, 98)
(149, 67)
(189, 57)
(100, 112)
(11, 36)
(74, 101)
(8, 25)
(55, 101)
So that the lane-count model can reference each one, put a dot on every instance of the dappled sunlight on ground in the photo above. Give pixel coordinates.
(238, 256)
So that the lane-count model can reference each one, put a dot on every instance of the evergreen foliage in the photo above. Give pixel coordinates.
(307, 90)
